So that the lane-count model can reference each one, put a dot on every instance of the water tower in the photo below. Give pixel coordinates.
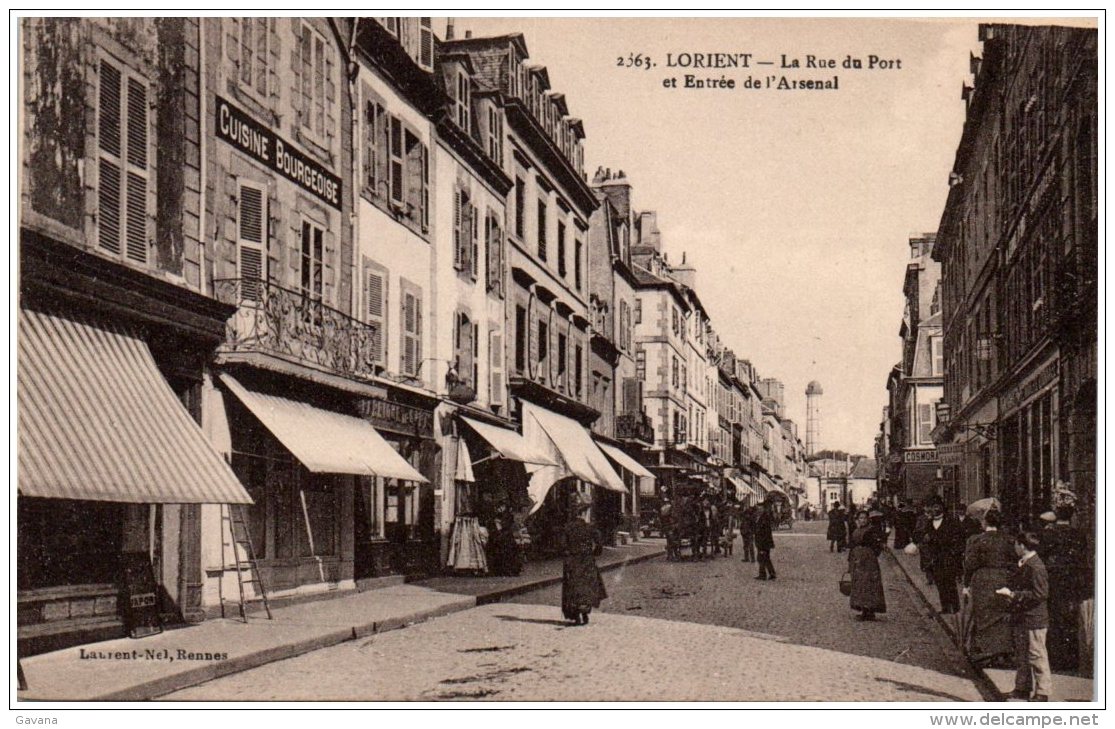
(813, 394)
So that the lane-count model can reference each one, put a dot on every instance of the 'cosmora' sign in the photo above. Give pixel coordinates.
(260, 143)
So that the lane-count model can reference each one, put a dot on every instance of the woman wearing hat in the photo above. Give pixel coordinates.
(863, 563)
(582, 588)
(989, 561)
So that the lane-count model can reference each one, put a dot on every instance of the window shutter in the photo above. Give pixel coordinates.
(425, 200)
(395, 149)
(251, 231)
(409, 355)
(414, 176)
(458, 249)
(426, 43)
(476, 358)
(495, 356)
(417, 330)
(136, 216)
(474, 223)
(375, 297)
(370, 150)
(109, 184)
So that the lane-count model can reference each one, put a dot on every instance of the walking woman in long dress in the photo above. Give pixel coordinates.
(989, 562)
(863, 563)
(582, 588)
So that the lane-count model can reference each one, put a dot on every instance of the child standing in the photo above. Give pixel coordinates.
(1028, 592)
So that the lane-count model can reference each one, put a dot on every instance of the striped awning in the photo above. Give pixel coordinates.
(743, 490)
(625, 461)
(97, 421)
(510, 444)
(325, 441)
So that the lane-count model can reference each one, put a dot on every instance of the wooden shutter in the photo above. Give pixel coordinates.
(413, 151)
(251, 241)
(495, 367)
(425, 201)
(395, 150)
(375, 310)
(410, 358)
(474, 223)
(109, 167)
(458, 249)
(426, 43)
(122, 164)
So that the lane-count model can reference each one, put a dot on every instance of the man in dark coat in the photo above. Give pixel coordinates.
(764, 541)
(1064, 550)
(747, 533)
(902, 526)
(582, 587)
(837, 531)
(944, 540)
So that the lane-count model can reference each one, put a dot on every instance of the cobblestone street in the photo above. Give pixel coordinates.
(670, 631)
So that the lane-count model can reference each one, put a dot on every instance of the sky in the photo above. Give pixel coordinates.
(796, 206)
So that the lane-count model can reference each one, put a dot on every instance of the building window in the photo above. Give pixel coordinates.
(465, 237)
(123, 169)
(495, 134)
(543, 349)
(937, 354)
(312, 268)
(248, 47)
(578, 371)
(520, 207)
(521, 335)
(562, 358)
(675, 321)
(495, 369)
(641, 364)
(315, 69)
(462, 100)
(464, 350)
(562, 270)
(542, 230)
(577, 247)
(638, 310)
(684, 379)
(411, 305)
(493, 238)
(396, 155)
(374, 134)
(675, 372)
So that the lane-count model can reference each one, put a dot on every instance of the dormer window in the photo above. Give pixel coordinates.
(462, 101)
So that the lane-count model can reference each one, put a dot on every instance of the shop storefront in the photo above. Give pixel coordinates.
(625, 505)
(583, 469)
(113, 466)
(311, 465)
(489, 493)
(1029, 440)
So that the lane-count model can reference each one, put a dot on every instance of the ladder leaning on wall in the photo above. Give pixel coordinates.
(236, 538)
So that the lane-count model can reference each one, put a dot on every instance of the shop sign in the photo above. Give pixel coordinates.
(926, 455)
(1045, 376)
(263, 145)
(396, 416)
(951, 454)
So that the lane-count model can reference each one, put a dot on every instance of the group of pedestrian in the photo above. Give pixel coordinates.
(1025, 588)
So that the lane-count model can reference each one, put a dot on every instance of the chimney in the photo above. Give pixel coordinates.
(449, 29)
(685, 274)
(616, 188)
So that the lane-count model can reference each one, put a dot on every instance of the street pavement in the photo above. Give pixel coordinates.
(669, 631)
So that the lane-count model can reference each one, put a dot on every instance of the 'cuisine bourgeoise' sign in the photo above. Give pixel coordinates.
(260, 143)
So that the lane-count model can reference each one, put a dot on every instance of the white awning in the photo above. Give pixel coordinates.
(98, 422)
(625, 461)
(568, 443)
(510, 444)
(743, 490)
(464, 464)
(323, 440)
(769, 485)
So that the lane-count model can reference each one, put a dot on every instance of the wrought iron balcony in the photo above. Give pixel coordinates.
(290, 324)
(634, 426)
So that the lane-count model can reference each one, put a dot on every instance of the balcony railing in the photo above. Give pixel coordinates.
(290, 324)
(634, 426)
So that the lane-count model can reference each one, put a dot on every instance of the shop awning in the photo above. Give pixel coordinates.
(769, 485)
(323, 440)
(98, 422)
(625, 461)
(743, 490)
(510, 444)
(568, 442)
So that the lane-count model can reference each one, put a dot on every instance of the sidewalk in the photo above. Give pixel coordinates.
(137, 670)
(1065, 687)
